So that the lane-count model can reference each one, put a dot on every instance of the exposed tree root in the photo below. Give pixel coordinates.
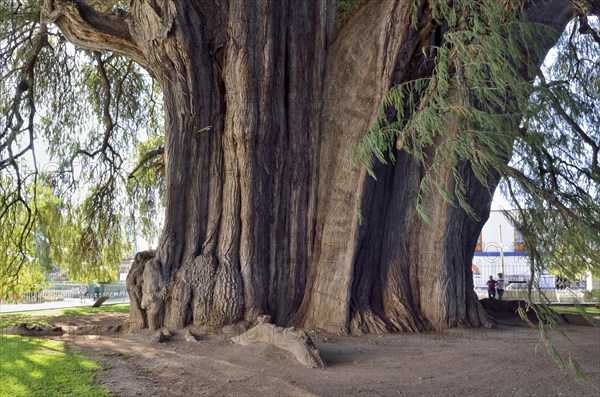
(365, 321)
(162, 336)
(92, 329)
(477, 310)
(498, 310)
(299, 343)
(189, 337)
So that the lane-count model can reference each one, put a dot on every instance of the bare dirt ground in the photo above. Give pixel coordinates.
(508, 361)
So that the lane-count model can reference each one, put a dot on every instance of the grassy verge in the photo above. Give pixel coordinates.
(43, 367)
(573, 309)
(46, 316)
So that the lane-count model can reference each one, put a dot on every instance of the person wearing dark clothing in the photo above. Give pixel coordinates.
(491, 284)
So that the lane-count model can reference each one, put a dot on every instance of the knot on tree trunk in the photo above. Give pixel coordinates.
(144, 256)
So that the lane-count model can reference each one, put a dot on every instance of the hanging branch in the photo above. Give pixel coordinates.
(573, 124)
(148, 157)
(107, 119)
(23, 90)
(585, 28)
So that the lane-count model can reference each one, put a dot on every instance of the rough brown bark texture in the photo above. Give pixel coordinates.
(264, 100)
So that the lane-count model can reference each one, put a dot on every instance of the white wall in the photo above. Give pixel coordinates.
(498, 252)
(491, 233)
(592, 283)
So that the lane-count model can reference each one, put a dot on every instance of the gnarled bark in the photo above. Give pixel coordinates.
(264, 100)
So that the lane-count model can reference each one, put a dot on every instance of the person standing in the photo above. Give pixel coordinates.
(82, 293)
(500, 285)
(491, 284)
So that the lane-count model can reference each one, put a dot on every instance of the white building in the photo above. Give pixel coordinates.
(500, 250)
(124, 267)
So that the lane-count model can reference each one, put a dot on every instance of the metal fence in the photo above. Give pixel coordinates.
(565, 296)
(519, 282)
(62, 291)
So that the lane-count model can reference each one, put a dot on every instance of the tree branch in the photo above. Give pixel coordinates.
(147, 158)
(585, 28)
(90, 29)
(573, 124)
(546, 195)
(586, 7)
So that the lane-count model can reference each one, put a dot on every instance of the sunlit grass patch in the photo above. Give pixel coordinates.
(45, 316)
(573, 309)
(118, 308)
(43, 367)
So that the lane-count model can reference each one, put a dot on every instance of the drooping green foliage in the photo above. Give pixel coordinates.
(58, 239)
(489, 100)
(74, 124)
(469, 108)
(146, 186)
(556, 153)
(491, 104)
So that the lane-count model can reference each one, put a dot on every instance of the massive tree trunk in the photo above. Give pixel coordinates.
(265, 211)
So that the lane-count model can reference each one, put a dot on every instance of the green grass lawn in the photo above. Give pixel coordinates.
(46, 316)
(117, 308)
(44, 367)
(592, 310)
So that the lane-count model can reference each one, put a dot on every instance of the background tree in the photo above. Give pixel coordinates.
(266, 212)
(556, 153)
(58, 238)
(71, 103)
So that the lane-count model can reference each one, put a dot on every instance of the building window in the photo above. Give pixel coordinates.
(519, 245)
(479, 245)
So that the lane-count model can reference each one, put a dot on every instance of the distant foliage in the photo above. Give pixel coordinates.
(87, 189)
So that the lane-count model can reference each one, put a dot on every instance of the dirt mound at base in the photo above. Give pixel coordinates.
(34, 330)
(507, 309)
(25, 329)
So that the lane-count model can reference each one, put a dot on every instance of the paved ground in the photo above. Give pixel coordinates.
(24, 307)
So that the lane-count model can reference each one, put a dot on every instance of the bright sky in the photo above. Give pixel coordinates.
(500, 203)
